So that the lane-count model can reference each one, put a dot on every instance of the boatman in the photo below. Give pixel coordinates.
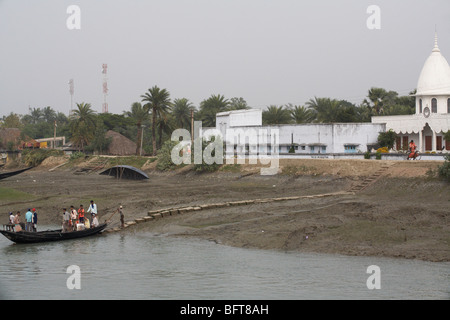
(122, 223)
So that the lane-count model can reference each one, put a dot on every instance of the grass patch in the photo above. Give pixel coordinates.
(9, 194)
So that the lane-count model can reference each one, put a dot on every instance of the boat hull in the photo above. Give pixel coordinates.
(51, 235)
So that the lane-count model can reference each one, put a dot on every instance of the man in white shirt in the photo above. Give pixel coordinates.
(93, 210)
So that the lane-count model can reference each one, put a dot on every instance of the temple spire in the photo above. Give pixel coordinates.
(436, 48)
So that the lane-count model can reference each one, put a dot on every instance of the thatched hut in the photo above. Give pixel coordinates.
(120, 145)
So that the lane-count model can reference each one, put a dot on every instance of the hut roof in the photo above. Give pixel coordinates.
(120, 145)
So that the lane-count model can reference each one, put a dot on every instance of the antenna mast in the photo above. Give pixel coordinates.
(105, 87)
(71, 90)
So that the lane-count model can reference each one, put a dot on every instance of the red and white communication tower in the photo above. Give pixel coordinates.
(105, 87)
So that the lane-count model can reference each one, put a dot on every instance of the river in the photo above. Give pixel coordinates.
(147, 266)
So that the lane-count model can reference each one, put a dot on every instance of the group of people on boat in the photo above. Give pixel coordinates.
(30, 223)
(76, 220)
(73, 219)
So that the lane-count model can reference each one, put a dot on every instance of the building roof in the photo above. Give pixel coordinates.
(120, 145)
(435, 76)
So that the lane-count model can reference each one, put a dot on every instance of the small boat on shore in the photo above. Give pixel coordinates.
(50, 235)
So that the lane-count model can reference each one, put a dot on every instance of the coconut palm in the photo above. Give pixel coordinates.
(138, 114)
(238, 104)
(181, 112)
(158, 102)
(301, 114)
(82, 124)
(165, 125)
(276, 115)
(210, 107)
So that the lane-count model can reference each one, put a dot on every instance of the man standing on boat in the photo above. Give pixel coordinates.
(92, 209)
(29, 220)
(81, 214)
(66, 220)
(73, 217)
(34, 221)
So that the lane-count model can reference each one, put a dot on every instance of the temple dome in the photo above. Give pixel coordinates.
(435, 76)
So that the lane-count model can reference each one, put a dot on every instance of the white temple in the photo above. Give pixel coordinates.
(432, 118)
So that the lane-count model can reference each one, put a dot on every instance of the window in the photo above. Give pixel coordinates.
(434, 105)
(350, 149)
(312, 149)
(323, 149)
(420, 106)
(448, 105)
(303, 148)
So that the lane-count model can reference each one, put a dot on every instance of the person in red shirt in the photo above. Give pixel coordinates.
(412, 149)
(81, 214)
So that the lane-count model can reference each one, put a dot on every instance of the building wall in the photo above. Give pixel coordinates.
(305, 138)
(442, 103)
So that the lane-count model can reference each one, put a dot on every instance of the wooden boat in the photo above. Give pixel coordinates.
(50, 235)
(12, 173)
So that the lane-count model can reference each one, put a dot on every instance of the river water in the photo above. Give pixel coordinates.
(148, 266)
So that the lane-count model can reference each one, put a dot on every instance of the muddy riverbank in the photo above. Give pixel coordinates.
(402, 213)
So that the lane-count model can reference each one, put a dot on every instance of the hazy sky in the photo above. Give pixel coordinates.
(266, 51)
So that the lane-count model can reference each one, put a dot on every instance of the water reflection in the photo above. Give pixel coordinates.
(145, 266)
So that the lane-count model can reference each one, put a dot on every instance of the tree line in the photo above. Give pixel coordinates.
(156, 115)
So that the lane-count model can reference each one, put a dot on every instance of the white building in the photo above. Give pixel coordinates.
(432, 118)
(313, 138)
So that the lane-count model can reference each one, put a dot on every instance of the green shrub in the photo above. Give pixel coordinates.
(444, 170)
(35, 157)
(77, 155)
(164, 156)
(387, 139)
(367, 155)
(208, 148)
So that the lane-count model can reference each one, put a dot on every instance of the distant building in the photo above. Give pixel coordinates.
(312, 138)
(432, 118)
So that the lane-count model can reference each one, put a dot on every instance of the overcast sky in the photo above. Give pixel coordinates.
(266, 51)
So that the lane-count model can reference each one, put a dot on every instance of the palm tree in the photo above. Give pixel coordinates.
(238, 104)
(49, 114)
(165, 125)
(36, 115)
(82, 124)
(210, 107)
(138, 114)
(181, 112)
(158, 102)
(376, 96)
(276, 115)
(301, 114)
(325, 109)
